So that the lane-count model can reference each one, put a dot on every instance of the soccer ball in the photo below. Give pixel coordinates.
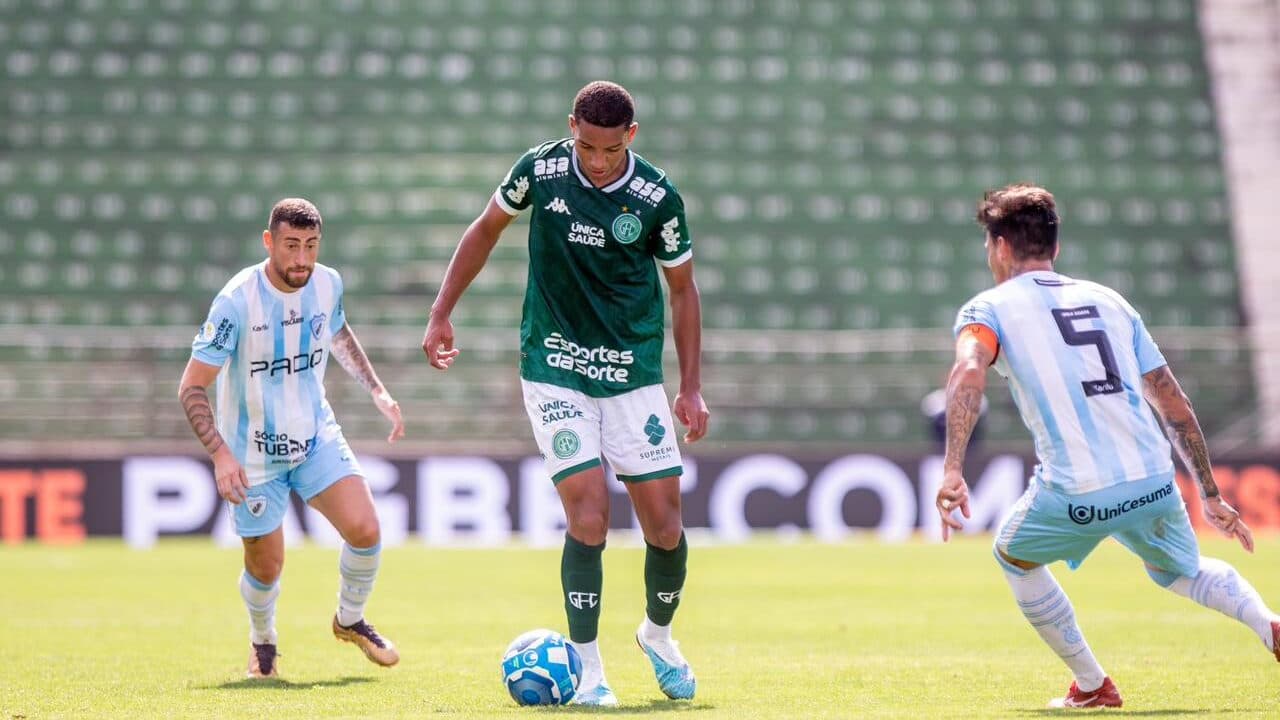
(541, 668)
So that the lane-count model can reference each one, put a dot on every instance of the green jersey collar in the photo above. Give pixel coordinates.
(631, 169)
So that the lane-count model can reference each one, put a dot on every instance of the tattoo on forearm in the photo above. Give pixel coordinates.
(346, 348)
(195, 401)
(963, 409)
(1182, 427)
(1189, 441)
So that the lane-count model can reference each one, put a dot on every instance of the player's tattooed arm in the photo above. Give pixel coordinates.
(965, 387)
(351, 356)
(1164, 393)
(194, 396)
(195, 401)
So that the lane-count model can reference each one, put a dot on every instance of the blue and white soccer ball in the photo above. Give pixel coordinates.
(541, 668)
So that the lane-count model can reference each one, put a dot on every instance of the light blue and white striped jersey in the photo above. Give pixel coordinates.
(1074, 353)
(273, 347)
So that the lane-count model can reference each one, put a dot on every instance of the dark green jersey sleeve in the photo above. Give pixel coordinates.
(670, 238)
(515, 193)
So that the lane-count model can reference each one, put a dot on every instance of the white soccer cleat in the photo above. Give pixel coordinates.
(598, 695)
(675, 677)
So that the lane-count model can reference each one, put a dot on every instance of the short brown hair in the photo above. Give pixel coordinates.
(297, 212)
(604, 104)
(1025, 216)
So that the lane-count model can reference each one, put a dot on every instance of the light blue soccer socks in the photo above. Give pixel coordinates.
(1218, 586)
(359, 568)
(1046, 607)
(260, 600)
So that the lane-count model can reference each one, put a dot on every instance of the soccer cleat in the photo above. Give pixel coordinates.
(1105, 696)
(598, 695)
(1275, 638)
(675, 677)
(262, 661)
(375, 647)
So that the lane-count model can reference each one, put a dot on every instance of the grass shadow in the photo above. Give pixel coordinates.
(282, 684)
(1062, 712)
(653, 706)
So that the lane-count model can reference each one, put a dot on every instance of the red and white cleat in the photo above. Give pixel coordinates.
(1105, 696)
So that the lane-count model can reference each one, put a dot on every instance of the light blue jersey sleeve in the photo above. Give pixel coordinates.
(339, 315)
(980, 311)
(1144, 346)
(219, 334)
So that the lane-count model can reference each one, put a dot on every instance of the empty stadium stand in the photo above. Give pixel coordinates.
(830, 154)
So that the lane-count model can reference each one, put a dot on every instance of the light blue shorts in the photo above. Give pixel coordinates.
(1146, 516)
(263, 511)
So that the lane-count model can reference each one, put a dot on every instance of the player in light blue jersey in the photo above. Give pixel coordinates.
(1082, 369)
(267, 342)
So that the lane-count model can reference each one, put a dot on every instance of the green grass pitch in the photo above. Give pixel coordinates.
(773, 629)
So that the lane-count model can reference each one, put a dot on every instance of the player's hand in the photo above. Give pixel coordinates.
(437, 342)
(390, 409)
(692, 412)
(1222, 516)
(233, 484)
(953, 494)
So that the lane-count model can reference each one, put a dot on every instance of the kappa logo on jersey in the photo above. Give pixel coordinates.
(582, 600)
(516, 194)
(558, 205)
(547, 168)
(650, 192)
(670, 237)
(256, 506)
(670, 597)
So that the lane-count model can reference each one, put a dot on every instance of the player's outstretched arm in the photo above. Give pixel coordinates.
(965, 387)
(194, 396)
(1164, 393)
(472, 253)
(686, 325)
(351, 356)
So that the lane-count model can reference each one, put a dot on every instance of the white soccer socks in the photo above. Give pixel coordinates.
(1046, 607)
(260, 600)
(359, 568)
(1220, 587)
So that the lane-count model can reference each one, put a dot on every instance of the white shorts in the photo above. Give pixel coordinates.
(633, 431)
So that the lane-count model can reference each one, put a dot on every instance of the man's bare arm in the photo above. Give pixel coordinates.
(1164, 393)
(194, 396)
(965, 387)
(351, 356)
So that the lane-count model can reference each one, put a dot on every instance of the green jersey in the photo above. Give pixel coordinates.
(593, 311)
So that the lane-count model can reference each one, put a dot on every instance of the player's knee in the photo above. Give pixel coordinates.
(266, 570)
(1163, 578)
(589, 528)
(363, 533)
(666, 536)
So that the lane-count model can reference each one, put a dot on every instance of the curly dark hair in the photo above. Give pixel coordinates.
(1025, 216)
(604, 104)
(297, 212)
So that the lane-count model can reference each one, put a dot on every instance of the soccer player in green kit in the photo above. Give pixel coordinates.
(591, 357)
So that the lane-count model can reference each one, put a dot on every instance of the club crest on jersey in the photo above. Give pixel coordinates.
(256, 506)
(317, 324)
(565, 444)
(626, 228)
